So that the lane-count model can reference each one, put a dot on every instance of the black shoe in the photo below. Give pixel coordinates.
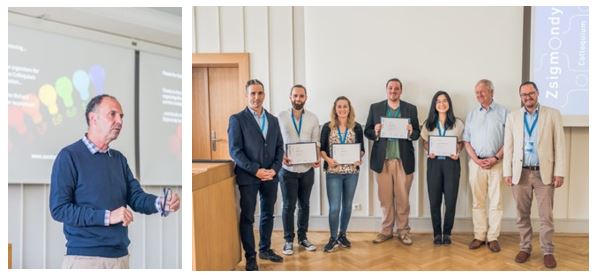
(331, 245)
(270, 255)
(343, 241)
(251, 264)
(446, 239)
(438, 239)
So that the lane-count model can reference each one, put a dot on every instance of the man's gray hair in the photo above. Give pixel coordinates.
(487, 83)
(94, 102)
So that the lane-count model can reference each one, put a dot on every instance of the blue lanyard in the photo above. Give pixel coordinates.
(262, 123)
(390, 114)
(342, 140)
(443, 132)
(298, 128)
(529, 129)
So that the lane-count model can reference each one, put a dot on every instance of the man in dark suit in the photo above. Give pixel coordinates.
(256, 146)
(393, 161)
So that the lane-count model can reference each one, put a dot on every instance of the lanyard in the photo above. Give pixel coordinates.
(441, 132)
(389, 114)
(297, 128)
(529, 129)
(342, 140)
(263, 123)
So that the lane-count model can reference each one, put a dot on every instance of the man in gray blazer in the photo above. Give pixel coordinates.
(393, 161)
(534, 164)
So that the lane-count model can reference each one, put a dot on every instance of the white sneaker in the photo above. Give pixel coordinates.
(406, 239)
(288, 249)
(307, 245)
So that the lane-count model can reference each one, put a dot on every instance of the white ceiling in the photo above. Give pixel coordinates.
(157, 25)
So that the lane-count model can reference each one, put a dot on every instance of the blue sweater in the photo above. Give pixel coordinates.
(83, 187)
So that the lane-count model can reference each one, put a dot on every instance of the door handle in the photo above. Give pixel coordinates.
(214, 141)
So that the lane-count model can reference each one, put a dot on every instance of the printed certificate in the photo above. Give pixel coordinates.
(396, 128)
(302, 153)
(346, 153)
(442, 146)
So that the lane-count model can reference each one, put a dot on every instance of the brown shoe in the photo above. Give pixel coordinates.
(494, 246)
(522, 257)
(382, 238)
(549, 261)
(475, 244)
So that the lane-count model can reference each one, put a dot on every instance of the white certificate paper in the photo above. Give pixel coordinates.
(442, 146)
(346, 153)
(302, 153)
(396, 128)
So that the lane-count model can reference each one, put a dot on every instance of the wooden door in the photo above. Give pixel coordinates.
(218, 92)
(224, 100)
(201, 148)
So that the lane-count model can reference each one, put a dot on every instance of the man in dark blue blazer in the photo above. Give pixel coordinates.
(256, 146)
(393, 160)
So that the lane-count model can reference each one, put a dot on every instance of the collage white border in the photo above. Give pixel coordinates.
(187, 37)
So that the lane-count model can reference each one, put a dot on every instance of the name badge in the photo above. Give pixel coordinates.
(529, 147)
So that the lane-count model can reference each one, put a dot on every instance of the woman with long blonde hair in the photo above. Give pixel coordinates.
(341, 179)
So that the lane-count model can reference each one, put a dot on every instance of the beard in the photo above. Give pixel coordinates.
(297, 106)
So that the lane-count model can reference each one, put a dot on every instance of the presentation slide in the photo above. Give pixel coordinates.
(560, 58)
(160, 121)
(51, 78)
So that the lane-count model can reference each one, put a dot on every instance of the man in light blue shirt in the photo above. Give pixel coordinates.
(261, 121)
(484, 137)
(530, 140)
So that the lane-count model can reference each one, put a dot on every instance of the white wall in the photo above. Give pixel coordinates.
(353, 51)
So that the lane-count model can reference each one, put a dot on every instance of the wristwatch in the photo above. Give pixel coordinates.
(496, 157)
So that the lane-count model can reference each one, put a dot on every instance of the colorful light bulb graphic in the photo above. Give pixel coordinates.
(16, 120)
(48, 97)
(32, 109)
(98, 78)
(63, 87)
(81, 81)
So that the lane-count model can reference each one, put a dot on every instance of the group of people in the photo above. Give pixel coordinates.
(524, 147)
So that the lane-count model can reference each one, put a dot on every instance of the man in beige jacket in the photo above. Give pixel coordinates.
(534, 164)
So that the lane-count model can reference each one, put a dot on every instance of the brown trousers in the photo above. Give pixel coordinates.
(530, 183)
(394, 195)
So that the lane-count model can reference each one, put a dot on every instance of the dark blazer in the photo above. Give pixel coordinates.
(250, 151)
(406, 149)
(325, 139)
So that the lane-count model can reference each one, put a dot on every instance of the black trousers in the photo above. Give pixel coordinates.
(296, 187)
(248, 202)
(442, 177)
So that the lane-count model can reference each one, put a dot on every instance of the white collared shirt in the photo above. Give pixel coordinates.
(310, 132)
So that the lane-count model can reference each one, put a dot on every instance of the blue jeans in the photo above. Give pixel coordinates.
(340, 194)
